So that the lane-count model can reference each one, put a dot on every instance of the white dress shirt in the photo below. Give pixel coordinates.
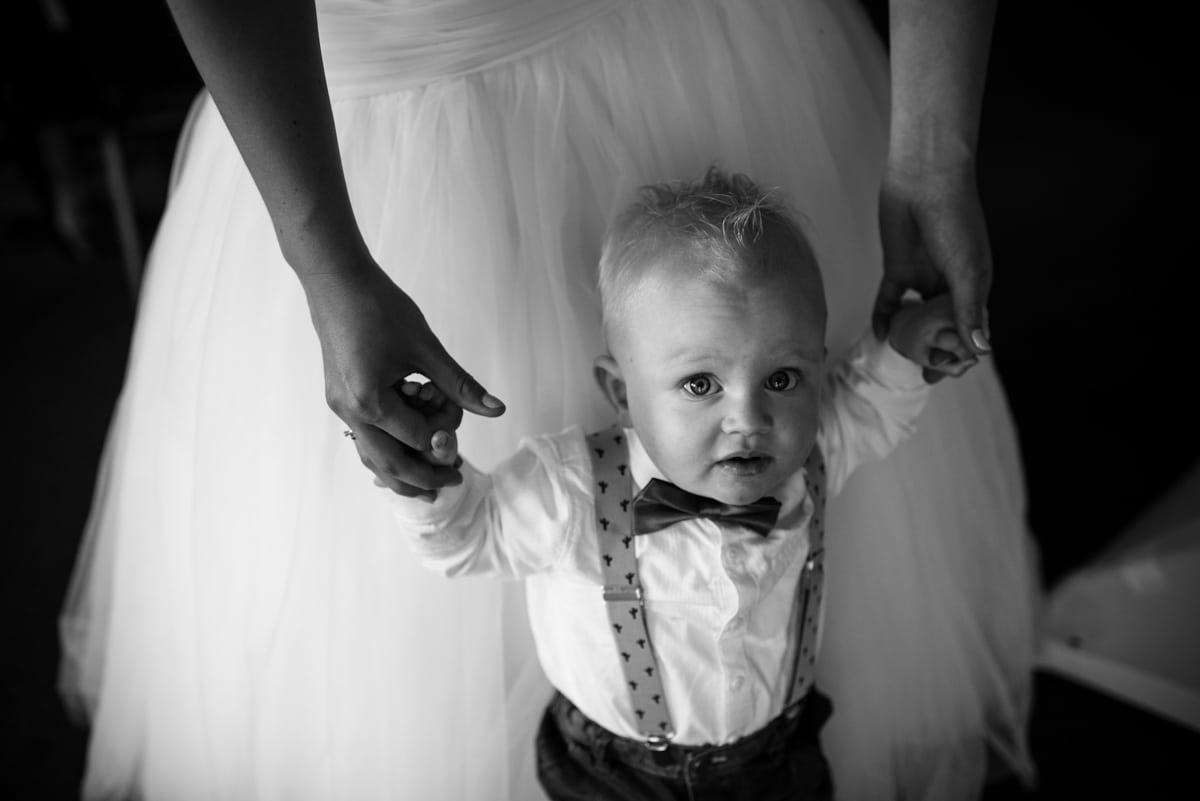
(718, 597)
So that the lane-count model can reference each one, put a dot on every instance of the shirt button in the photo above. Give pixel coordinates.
(737, 682)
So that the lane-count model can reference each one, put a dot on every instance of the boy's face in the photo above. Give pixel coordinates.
(721, 383)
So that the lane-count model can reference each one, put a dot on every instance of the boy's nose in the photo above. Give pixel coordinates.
(746, 415)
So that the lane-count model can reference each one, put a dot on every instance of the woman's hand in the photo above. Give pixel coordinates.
(372, 337)
(931, 222)
(261, 62)
(935, 240)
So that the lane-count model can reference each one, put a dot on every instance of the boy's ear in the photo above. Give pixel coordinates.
(608, 377)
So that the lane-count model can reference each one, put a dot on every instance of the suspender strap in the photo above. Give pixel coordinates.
(810, 592)
(622, 590)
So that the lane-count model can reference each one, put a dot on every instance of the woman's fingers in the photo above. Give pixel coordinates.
(956, 237)
(393, 440)
(947, 340)
(968, 289)
(399, 468)
(413, 427)
(948, 356)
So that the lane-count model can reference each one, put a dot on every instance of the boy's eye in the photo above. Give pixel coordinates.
(698, 385)
(783, 380)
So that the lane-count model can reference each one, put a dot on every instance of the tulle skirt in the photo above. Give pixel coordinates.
(245, 623)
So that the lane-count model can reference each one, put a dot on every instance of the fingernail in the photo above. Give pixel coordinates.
(980, 340)
(492, 402)
(440, 441)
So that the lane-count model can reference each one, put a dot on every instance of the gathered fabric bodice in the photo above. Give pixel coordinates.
(378, 46)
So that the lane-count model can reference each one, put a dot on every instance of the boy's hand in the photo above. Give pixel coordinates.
(441, 412)
(926, 333)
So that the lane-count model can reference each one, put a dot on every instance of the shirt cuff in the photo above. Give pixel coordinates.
(420, 516)
(887, 366)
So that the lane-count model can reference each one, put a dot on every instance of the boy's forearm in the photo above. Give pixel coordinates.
(261, 62)
(448, 535)
(872, 397)
(939, 53)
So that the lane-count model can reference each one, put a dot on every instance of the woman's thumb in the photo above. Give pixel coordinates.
(970, 316)
(461, 388)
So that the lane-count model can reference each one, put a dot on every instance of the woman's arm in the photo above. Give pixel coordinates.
(932, 224)
(939, 55)
(261, 62)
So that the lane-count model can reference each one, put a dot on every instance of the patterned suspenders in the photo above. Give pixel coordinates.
(623, 591)
(810, 591)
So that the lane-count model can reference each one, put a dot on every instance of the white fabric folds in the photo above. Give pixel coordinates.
(246, 624)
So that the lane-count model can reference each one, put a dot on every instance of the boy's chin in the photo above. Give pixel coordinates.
(741, 492)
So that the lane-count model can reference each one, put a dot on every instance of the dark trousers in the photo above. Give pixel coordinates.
(579, 760)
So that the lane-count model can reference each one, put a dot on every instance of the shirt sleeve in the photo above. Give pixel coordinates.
(872, 399)
(518, 520)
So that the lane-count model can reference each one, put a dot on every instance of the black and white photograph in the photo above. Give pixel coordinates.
(598, 400)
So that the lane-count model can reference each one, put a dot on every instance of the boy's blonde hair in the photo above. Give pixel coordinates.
(724, 220)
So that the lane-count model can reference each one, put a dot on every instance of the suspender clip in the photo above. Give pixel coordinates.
(622, 592)
(658, 742)
(815, 559)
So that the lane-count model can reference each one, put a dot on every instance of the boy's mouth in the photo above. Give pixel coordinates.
(751, 464)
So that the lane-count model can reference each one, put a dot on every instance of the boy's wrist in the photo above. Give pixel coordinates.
(899, 333)
(424, 515)
(888, 365)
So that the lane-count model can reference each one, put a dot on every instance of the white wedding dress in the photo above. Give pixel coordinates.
(245, 623)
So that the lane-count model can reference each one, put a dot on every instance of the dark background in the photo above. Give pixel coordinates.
(1084, 178)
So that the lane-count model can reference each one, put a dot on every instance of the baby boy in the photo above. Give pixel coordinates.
(674, 563)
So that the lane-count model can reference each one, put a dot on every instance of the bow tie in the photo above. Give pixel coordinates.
(661, 504)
